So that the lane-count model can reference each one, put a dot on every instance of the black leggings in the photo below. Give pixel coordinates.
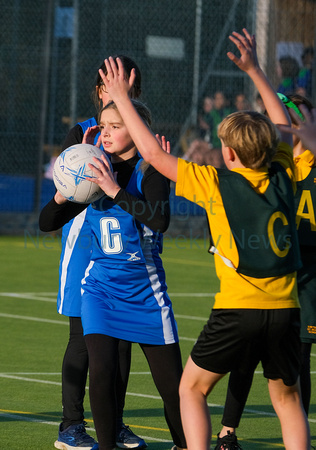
(305, 375)
(74, 375)
(166, 368)
(240, 383)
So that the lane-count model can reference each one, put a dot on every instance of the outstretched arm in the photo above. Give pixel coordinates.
(145, 141)
(58, 212)
(248, 62)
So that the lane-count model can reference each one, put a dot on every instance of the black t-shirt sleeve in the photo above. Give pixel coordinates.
(154, 210)
(54, 216)
(74, 136)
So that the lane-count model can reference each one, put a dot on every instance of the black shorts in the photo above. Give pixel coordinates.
(241, 338)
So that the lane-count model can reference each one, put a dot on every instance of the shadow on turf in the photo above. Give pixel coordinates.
(312, 409)
(214, 411)
(134, 414)
(249, 409)
(148, 412)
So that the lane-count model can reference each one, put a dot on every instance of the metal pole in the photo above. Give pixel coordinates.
(53, 83)
(74, 66)
(314, 76)
(209, 69)
(197, 56)
(44, 102)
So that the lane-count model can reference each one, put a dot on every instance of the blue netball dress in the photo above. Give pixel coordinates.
(75, 256)
(124, 293)
(74, 259)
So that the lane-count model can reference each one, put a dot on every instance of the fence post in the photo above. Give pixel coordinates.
(44, 103)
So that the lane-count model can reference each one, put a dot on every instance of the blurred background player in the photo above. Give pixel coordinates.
(221, 109)
(241, 102)
(204, 118)
(304, 79)
(288, 69)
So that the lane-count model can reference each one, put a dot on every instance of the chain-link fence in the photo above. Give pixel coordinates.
(51, 50)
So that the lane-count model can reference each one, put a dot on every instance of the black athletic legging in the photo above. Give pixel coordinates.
(166, 367)
(305, 375)
(74, 376)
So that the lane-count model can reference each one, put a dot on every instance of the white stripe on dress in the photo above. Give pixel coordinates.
(74, 233)
(168, 333)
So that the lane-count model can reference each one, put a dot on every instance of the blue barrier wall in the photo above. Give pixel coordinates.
(17, 194)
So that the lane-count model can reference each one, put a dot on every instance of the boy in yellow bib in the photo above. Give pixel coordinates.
(250, 209)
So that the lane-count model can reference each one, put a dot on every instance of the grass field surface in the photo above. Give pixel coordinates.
(33, 339)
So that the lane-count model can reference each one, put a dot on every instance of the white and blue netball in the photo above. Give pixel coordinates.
(71, 170)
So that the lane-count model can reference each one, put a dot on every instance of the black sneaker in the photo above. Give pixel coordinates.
(227, 442)
(127, 439)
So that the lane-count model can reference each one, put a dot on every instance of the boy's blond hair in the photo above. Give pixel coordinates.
(252, 135)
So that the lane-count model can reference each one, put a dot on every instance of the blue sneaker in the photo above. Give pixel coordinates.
(74, 437)
(95, 447)
(127, 439)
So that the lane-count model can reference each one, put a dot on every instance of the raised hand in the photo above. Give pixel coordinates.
(164, 144)
(248, 62)
(248, 50)
(90, 134)
(115, 80)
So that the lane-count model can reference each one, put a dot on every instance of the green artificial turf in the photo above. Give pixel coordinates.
(33, 340)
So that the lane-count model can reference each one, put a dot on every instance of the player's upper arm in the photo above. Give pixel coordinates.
(166, 164)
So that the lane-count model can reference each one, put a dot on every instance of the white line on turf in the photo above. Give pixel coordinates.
(63, 322)
(4, 374)
(35, 319)
(49, 422)
(57, 373)
(29, 296)
(134, 394)
(43, 297)
(46, 296)
(27, 419)
(180, 316)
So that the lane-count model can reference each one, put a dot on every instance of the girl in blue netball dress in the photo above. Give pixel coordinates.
(124, 292)
(74, 259)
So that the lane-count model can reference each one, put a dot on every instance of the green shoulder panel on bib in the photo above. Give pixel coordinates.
(262, 225)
